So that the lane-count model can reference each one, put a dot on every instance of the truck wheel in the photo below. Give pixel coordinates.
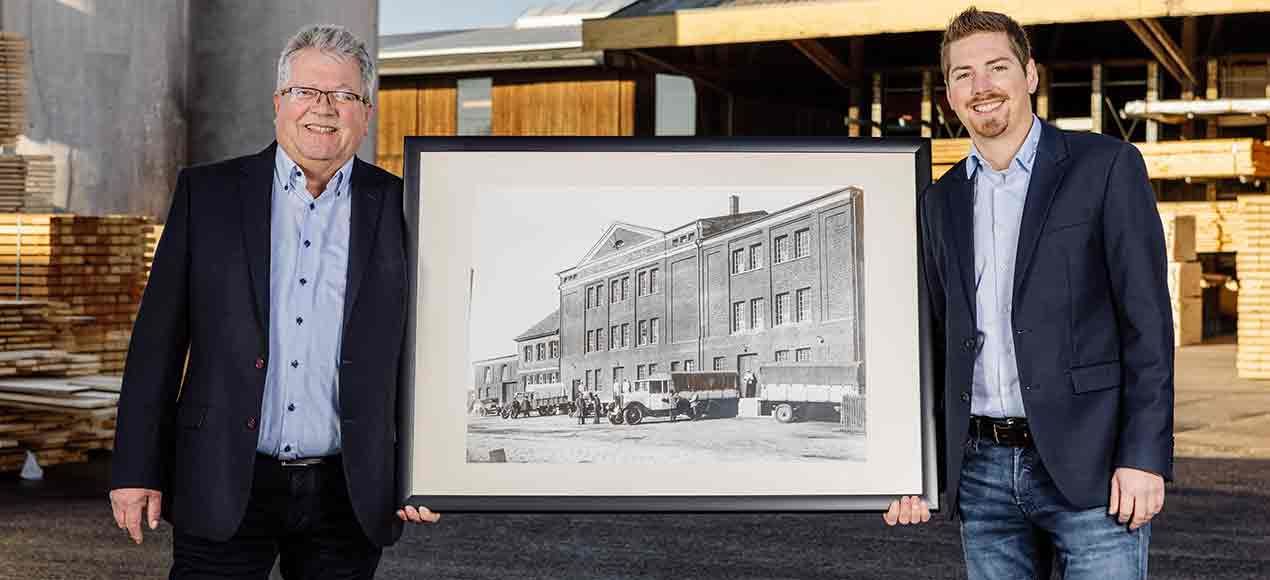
(784, 413)
(615, 418)
(633, 415)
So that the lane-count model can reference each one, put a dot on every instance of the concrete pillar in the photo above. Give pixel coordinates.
(106, 99)
(234, 52)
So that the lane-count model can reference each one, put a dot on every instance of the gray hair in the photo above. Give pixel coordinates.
(334, 40)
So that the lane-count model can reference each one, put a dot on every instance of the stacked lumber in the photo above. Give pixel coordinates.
(12, 87)
(1209, 158)
(1253, 265)
(1216, 222)
(26, 183)
(59, 420)
(93, 265)
(38, 339)
(1186, 291)
(152, 232)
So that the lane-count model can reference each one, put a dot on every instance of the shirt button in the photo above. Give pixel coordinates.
(306, 243)
(291, 407)
(286, 188)
(287, 449)
(968, 344)
(251, 423)
(312, 206)
(299, 320)
(260, 363)
(303, 281)
(295, 364)
(965, 397)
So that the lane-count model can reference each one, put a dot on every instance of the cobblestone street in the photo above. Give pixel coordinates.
(560, 439)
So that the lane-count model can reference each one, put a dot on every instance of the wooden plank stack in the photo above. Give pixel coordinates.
(1185, 280)
(1216, 222)
(13, 49)
(92, 264)
(59, 420)
(152, 232)
(1213, 158)
(1253, 266)
(26, 183)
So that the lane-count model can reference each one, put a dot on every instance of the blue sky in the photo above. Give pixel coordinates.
(401, 16)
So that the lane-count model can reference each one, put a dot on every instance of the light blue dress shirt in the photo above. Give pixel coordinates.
(998, 212)
(308, 268)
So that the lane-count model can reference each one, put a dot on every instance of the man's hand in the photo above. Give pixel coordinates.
(128, 504)
(422, 515)
(907, 510)
(1136, 496)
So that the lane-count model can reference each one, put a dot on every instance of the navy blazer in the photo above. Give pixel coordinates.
(1093, 329)
(189, 430)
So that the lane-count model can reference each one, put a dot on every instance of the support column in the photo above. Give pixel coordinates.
(1253, 263)
(928, 101)
(875, 114)
(1043, 92)
(1153, 95)
(1095, 99)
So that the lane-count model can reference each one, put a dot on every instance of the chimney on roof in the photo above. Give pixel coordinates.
(734, 204)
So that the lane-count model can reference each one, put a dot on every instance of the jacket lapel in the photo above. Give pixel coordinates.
(961, 201)
(1047, 174)
(256, 192)
(367, 204)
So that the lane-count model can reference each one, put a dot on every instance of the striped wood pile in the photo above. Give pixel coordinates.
(1185, 287)
(92, 264)
(12, 87)
(26, 183)
(1253, 266)
(59, 420)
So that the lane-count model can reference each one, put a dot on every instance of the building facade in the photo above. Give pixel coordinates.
(539, 352)
(496, 378)
(721, 293)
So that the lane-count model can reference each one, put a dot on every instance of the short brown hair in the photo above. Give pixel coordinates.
(973, 21)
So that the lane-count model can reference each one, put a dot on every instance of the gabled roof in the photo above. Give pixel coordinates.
(547, 326)
(620, 237)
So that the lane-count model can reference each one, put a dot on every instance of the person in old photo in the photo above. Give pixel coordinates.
(1045, 265)
(283, 276)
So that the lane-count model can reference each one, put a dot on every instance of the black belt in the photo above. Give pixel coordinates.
(1010, 431)
(301, 462)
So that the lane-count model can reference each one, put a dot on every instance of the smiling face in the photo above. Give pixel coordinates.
(321, 133)
(989, 88)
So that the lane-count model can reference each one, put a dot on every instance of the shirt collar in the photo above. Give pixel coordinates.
(1024, 158)
(289, 172)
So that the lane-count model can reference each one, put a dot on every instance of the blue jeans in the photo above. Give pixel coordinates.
(1014, 523)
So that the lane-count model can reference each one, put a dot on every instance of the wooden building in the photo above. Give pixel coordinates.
(1187, 81)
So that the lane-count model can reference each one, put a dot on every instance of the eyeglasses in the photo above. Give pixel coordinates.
(309, 95)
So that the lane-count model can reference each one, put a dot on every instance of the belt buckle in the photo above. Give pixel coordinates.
(996, 434)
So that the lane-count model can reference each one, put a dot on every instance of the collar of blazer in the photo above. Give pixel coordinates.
(1047, 174)
(255, 189)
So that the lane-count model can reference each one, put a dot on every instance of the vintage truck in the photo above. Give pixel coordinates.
(694, 394)
(796, 391)
(549, 399)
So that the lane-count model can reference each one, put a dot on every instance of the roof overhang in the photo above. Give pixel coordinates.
(489, 61)
(843, 18)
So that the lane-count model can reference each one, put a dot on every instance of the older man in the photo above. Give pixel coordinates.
(283, 276)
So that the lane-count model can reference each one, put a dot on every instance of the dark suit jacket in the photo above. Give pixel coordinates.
(192, 433)
(1093, 330)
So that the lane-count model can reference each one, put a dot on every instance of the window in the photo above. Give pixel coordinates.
(802, 243)
(615, 288)
(626, 287)
(641, 372)
(782, 356)
(587, 383)
(555, 349)
(720, 363)
(529, 353)
(502, 373)
(643, 283)
(589, 293)
(654, 326)
(619, 374)
(782, 308)
(652, 281)
(598, 384)
(542, 351)
(756, 313)
(756, 256)
(782, 249)
(804, 305)
(590, 338)
(688, 365)
(674, 366)
(626, 335)
(652, 369)
(738, 316)
(738, 261)
(555, 377)
(475, 104)
(614, 336)
(675, 108)
(488, 374)
(802, 354)
(599, 339)
(524, 382)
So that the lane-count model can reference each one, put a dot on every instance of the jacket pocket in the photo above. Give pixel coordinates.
(191, 416)
(1096, 377)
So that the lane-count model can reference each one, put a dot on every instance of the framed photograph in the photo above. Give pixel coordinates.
(663, 324)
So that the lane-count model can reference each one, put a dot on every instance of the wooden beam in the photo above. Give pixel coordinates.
(1190, 38)
(1212, 93)
(1176, 53)
(1153, 95)
(786, 21)
(825, 60)
(1095, 98)
(675, 70)
(1161, 54)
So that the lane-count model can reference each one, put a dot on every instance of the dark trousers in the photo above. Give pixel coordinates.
(298, 516)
